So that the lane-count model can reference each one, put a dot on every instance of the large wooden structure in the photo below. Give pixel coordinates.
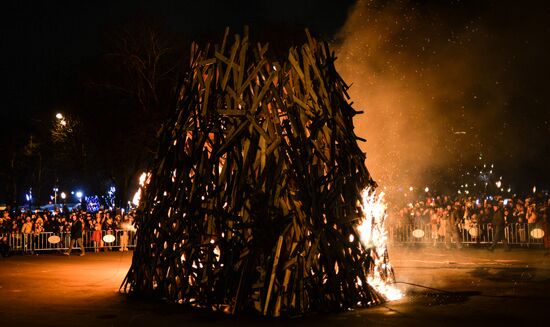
(253, 197)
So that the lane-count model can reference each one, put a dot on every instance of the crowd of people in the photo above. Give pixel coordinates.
(30, 224)
(443, 216)
(446, 216)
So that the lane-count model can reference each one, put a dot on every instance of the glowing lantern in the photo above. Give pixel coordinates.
(537, 233)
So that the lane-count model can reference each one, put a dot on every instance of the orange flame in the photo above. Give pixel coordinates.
(373, 236)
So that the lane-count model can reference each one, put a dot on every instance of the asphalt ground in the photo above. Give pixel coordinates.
(468, 287)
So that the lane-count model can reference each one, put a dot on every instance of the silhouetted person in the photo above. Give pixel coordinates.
(451, 230)
(4, 246)
(498, 223)
(76, 235)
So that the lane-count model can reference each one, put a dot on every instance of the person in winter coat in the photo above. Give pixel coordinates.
(451, 230)
(26, 230)
(499, 224)
(76, 235)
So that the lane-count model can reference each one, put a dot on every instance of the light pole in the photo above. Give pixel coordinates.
(80, 196)
(55, 190)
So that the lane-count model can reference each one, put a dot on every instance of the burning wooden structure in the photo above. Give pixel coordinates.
(253, 198)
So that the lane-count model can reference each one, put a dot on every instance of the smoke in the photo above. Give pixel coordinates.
(430, 82)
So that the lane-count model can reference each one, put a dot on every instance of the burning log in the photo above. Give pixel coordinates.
(254, 195)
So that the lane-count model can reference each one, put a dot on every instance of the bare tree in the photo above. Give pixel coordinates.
(132, 94)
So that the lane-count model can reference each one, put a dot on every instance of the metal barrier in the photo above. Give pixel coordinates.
(515, 234)
(49, 241)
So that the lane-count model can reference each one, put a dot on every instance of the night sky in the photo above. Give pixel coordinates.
(47, 41)
(441, 82)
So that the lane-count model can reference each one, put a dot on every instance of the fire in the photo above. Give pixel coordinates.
(373, 236)
(137, 197)
(144, 179)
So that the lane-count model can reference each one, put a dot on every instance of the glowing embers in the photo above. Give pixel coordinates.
(373, 236)
(385, 288)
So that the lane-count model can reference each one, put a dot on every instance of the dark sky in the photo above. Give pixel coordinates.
(46, 41)
(494, 54)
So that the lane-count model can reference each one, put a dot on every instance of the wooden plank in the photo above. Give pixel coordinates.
(273, 272)
(231, 112)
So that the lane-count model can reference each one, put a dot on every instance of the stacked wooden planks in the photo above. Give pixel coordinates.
(253, 196)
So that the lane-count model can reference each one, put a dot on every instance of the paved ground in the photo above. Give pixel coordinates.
(472, 287)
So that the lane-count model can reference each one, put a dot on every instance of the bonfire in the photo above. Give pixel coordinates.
(254, 201)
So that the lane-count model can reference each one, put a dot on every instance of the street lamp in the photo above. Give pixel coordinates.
(28, 197)
(55, 190)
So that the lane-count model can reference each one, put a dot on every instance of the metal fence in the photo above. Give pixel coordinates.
(516, 234)
(48, 241)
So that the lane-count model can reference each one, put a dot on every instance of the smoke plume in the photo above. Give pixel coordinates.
(432, 85)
